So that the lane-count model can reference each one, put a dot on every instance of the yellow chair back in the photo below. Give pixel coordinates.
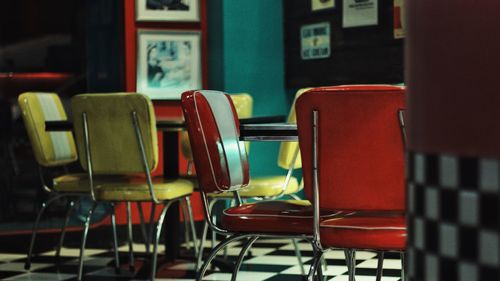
(288, 150)
(50, 148)
(113, 143)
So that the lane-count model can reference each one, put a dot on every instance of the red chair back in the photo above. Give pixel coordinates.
(360, 146)
(213, 128)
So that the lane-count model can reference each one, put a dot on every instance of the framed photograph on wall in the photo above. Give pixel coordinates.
(167, 10)
(168, 63)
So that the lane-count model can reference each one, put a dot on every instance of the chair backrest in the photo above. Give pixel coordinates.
(50, 148)
(360, 149)
(288, 149)
(243, 103)
(213, 128)
(114, 147)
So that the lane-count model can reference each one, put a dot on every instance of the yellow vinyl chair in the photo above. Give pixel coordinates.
(54, 149)
(116, 135)
(266, 187)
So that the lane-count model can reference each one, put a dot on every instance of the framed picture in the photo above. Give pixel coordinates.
(168, 63)
(167, 10)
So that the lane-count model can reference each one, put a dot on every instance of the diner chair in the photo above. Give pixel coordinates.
(243, 103)
(352, 149)
(116, 135)
(51, 150)
(222, 166)
(259, 188)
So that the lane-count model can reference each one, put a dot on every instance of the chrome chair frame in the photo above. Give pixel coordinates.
(55, 196)
(318, 249)
(232, 237)
(155, 201)
(211, 204)
(75, 199)
(78, 196)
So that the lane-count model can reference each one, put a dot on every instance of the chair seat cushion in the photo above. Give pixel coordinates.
(79, 183)
(136, 189)
(362, 231)
(289, 217)
(269, 186)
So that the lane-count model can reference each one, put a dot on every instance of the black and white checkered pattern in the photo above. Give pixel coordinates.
(271, 260)
(453, 218)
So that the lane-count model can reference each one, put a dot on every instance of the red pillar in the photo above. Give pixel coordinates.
(453, 75)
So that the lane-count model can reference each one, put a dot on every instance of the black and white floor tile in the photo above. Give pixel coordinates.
(270, 260)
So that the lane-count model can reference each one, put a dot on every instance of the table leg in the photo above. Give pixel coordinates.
(171, 170)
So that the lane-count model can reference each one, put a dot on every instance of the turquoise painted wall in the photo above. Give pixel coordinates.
(246, 55)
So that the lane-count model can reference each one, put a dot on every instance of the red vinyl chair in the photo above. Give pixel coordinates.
(352, 148)
(222, 166)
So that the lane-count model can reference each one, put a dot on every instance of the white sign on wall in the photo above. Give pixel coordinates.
(315, 41)
(359, 13)
(317, 5)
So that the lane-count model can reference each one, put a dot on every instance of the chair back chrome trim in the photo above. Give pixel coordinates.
(147, 171)
(88, 154)
(316, 207)
(142, 150)
(402, 125)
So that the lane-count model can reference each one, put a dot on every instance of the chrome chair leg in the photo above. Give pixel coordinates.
(380, 265)
(191, 222)
(403, 266)
(215, 250)
(151, 223)
(318, 254)
(200, 249)
(299, 256)
(351, 263)
(213, 238)
(226, 250)
(324, 264)
(143, 227)
(71, 206)
(232, 202)
(159, 225)
(214, 220)
(204, 236)
(321, 277)
(241, 256)
(44, 206)
(84, 240)
(187, 238)
(115, 239)
(131, 260)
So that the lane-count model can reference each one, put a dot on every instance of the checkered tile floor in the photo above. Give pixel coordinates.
(270, 260)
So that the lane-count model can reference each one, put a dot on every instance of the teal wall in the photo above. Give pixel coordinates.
(246, 55)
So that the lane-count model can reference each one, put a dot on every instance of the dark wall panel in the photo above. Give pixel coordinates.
(358, 55)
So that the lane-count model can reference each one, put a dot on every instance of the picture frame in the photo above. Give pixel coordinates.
(168, 63)
(168, 10)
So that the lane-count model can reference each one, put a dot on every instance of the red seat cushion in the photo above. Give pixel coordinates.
(365, 232)
(287, 217)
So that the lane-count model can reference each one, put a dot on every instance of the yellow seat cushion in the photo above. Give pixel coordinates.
(136, 189)
(79, 183)
(263, 187)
